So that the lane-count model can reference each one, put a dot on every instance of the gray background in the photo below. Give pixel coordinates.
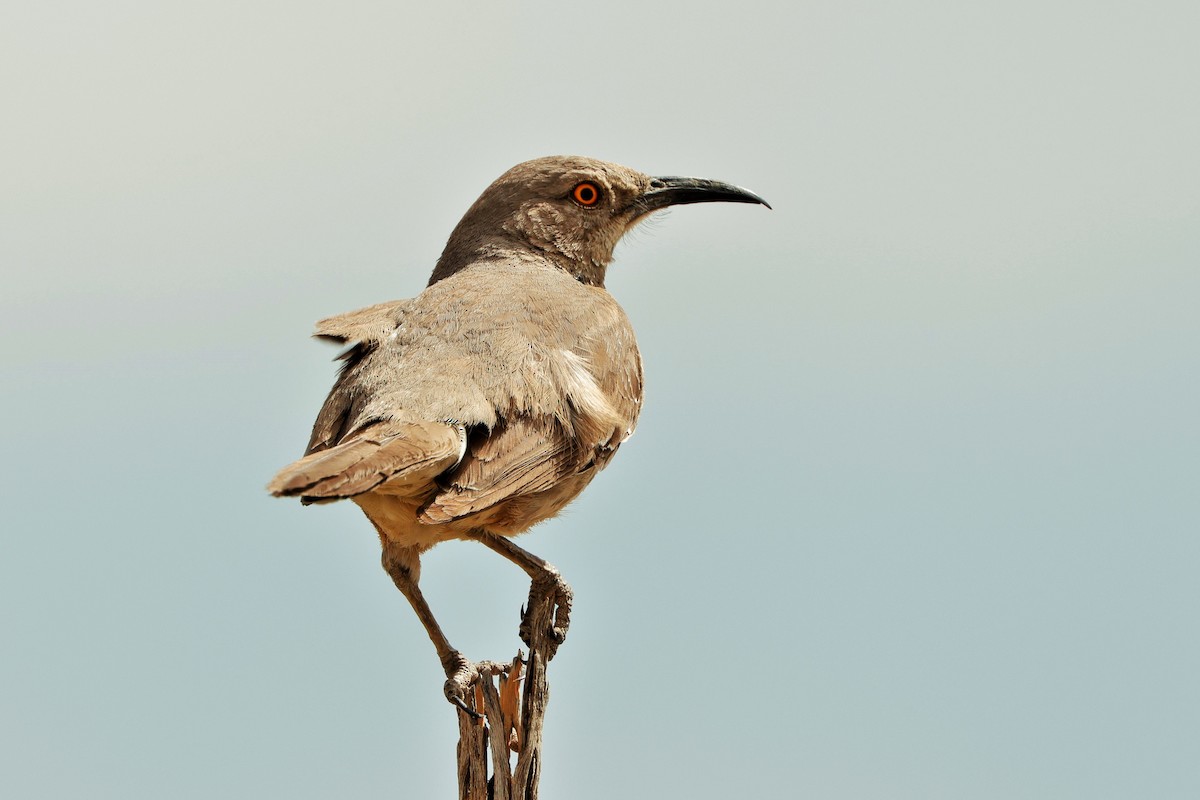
(913, 508)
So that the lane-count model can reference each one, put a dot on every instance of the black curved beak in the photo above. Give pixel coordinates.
(676, 191)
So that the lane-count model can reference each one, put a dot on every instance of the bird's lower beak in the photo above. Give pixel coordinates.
(674, 191)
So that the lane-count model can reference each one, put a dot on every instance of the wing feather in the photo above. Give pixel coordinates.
(521, 456)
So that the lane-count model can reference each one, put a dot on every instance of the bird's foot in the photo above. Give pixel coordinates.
(550, 600)
(461, 675)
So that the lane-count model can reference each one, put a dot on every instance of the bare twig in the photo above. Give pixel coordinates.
(511, 715)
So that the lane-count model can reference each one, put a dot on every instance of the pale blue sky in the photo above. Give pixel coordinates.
(913, 508)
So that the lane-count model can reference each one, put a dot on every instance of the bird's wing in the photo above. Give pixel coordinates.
(364, 330)
(520, 456)
(386, 456)
(335, 419)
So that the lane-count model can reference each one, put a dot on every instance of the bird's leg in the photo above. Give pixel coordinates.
(546, 582)
(403, 564)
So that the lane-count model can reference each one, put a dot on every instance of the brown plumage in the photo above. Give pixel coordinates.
(488, 402)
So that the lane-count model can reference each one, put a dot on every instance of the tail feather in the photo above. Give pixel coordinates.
(392, 453)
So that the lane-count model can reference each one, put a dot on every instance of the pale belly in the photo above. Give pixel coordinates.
(397, 518)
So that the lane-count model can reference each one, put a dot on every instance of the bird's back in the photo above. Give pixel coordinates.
(510, 383)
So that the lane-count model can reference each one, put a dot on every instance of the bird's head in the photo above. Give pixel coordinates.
(572, 210)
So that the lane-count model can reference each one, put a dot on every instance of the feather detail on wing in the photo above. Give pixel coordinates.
(363, 330)
(521, 456)
(389, 457)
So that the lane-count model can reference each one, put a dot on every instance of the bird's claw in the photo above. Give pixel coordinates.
(455, 693)
(461, 674)
(549, 585)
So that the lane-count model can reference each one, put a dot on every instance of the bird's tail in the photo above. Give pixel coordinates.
(386, 457)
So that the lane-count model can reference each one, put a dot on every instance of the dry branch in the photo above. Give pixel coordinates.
(510, 700)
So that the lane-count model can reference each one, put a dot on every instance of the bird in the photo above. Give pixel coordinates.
(488, 402)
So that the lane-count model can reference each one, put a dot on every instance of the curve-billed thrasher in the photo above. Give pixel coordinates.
(488, 402)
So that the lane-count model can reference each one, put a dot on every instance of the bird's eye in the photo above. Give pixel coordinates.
(587, 194)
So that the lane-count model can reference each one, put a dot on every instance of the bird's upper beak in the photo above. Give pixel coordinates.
(675, 191)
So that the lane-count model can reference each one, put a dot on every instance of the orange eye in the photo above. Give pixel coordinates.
(587, 194)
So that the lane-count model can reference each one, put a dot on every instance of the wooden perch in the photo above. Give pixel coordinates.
(510, 700)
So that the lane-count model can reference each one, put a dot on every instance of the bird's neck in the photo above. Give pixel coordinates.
(459, 256)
